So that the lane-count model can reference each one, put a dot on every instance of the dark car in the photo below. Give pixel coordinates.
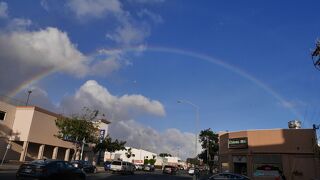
(49, 169)
(107, 165)
(86, 166)
(228, 176)
(170, 170)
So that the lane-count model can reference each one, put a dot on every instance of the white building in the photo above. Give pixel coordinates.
(137, 155)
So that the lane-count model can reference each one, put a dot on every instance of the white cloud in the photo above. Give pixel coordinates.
(156, 18)
(138, 135)
(26, 54)
(120, 110)
(44, 4)
(105, 67)
(3, 10)
(292, 104)
(19, 24)
(128, 34)
(38, 97)
(47, 48)
(94, 8)
(93, 95)
(147, 1)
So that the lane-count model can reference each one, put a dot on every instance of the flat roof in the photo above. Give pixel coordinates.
(276, 129)
(36, 108)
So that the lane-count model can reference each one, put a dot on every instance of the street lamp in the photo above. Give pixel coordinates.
(196, 122)
(29, 92)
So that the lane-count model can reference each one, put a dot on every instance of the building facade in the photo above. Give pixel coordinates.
(28, 133)
(137, 155)
(264, 154)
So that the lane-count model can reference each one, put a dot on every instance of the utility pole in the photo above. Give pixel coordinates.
(83, 142)
(29, 92)
(208, 155)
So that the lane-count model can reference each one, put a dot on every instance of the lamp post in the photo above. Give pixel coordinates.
(29, 92)
(196, 108)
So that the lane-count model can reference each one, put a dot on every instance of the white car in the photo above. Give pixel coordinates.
(122, 167)
(191, 171)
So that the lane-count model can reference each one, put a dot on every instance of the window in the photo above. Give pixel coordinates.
(2, 115)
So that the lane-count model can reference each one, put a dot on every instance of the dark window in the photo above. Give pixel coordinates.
(118, 163)
(2, 115)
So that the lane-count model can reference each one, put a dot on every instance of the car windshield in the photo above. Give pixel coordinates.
(118, 163)
(43, 162)
(129, 87)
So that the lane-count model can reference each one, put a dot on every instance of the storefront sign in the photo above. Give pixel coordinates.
(238, 143)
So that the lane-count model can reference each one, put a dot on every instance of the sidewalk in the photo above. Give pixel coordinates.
(9, 167)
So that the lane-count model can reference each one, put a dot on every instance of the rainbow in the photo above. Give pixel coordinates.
(207, 58)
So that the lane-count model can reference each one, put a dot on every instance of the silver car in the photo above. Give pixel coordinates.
(122, 167)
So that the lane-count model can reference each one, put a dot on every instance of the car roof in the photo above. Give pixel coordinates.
(44, 161)
(228, 173)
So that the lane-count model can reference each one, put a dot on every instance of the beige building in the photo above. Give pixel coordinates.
(261, 154)
(28, 133)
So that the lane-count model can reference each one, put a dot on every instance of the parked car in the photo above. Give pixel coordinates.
(148, 168)
(49, 169)
(228, 176)
(122, 167)
(107, 165)
(139, 167)
(86, 166)
(170, 170)
(191, 171)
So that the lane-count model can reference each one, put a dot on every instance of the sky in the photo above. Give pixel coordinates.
(245, 64)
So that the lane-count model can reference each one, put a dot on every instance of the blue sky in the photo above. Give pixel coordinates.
(155, 49)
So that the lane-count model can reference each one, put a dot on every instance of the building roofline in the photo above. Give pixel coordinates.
(36, 108)
(250, 130)
(105, 121)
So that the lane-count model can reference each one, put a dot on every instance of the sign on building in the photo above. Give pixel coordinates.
(238, 143)
(101, 136)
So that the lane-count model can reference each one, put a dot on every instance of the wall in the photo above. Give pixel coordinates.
(277, 140)
(6, 130)
(7, 123)
(138, 158)
(22, 123)
(43, 129)
(295, 150)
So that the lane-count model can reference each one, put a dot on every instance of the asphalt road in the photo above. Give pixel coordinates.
(8, 175)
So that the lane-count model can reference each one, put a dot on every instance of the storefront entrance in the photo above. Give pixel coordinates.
(240, 168)
(240, 165)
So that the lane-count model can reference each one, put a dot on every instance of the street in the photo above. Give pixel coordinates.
(157, 175)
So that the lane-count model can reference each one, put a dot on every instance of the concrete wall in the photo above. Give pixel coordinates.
(43, 129)
(138, 155)
(278, 140)
(7, 123)
(294, 150)
(22, 123)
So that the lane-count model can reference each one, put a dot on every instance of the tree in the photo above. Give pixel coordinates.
(194, 161)
(146, 161)
(108, 145)
(209, 141)
(152, 161)
(165, 155)
(129, 153)
(78, 128)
